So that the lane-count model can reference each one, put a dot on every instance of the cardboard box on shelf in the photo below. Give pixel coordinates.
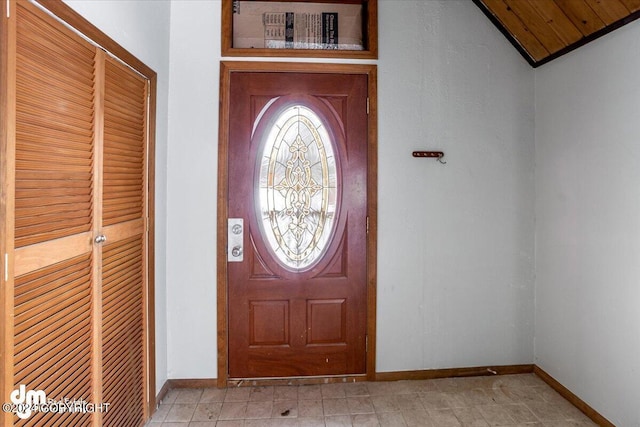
(296, 25)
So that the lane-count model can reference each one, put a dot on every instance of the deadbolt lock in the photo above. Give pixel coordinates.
(235, 239)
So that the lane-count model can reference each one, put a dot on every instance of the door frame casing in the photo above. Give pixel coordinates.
(226, 70)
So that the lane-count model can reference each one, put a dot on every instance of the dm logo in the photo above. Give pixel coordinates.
(27, 400)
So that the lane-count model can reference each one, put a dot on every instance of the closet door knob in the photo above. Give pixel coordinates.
(101, 238)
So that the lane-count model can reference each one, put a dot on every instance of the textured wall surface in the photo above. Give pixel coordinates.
(588, 223)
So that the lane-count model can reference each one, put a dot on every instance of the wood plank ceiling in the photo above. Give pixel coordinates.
(543, 30)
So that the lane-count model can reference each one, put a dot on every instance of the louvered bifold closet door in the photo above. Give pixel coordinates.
(78, 222)
(54, 204)
(123, 260)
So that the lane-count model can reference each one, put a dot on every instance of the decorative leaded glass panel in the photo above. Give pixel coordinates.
(297, 187)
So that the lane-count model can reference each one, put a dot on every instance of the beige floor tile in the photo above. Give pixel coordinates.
(238, 394)
(520, 413)
(474, 397)
(335, 407)
(401, 387)
(311, 421)
(338, 421)
(529, 380)
(517, 380)
(386, 403)
(356, 389)
(444, 418)
(409, 402)
(360, 405)
(496, 415)
(310, 408)
(230, 423)
(263, 422)
(261, 394)
(488, 382)
(233, 411)
(584, 420)
(450, 385)
(161, 413)
(171, 395)
(309, 392)
(207, 411)
(383, 388)
(499, 394)
(259, 410)
(546, 411)
(550, 395)
(439, 400)
(421, 386)
(188, 395)
(470, 417)
(570, 423)
(392, 419)
(213, 395)
(470, 383)
(285, 393)
(283, 409)
(333, 391)
(418, 418)
(523, 394)
(364, 420)
(180, 412)
(287, 422)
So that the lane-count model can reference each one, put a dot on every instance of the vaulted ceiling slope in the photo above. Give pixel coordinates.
(543, 30)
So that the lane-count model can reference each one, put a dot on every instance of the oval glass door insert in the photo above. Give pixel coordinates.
(297, 193)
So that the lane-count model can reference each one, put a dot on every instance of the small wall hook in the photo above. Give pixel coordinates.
(430, 154)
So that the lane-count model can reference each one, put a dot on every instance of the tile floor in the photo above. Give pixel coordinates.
(510, 400)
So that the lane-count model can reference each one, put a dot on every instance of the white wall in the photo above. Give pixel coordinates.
(588, 223)
(193, 169)
(455, 242)
(142, 28)
(455, 277)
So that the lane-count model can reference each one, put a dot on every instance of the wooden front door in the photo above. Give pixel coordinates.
(297, 209)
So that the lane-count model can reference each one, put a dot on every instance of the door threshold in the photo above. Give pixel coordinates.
(310, 380)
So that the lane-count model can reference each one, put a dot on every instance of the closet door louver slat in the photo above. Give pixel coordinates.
(53, 335)
(123, 262)
(54, 110)
(122, 333)
(124, 144)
